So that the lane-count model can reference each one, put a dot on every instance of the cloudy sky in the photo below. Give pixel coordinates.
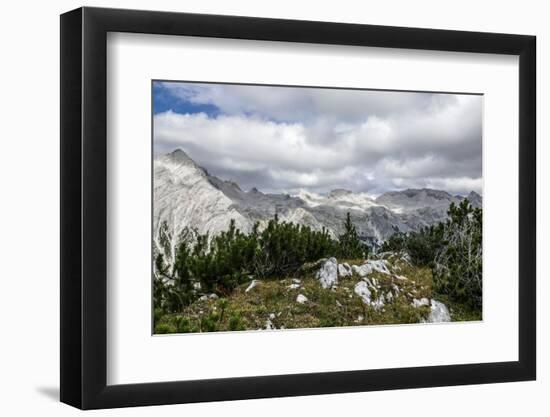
(282, 139)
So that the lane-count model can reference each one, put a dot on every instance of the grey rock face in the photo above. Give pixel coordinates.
(185, 199)
(414, 199)
(475, 199)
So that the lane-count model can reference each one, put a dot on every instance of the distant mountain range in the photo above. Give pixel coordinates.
(187, 197)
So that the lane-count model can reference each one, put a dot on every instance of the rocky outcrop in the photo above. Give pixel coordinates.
(370, 290)
(361, 270)
(369, 266)
(328, 274)
(366, 292)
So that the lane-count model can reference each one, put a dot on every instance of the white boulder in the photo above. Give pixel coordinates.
(439, 313)
(269, 325)
(362, 290)
(379, 266)
(328, 274)
(344, 270)
(301, 299)
(362, 270)
(370, 266)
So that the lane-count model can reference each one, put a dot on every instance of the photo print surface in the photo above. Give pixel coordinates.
(278, 207)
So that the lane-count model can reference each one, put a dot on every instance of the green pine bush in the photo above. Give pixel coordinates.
(229, 259)
(350, 246)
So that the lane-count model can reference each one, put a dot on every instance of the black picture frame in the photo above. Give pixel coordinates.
(84, 207)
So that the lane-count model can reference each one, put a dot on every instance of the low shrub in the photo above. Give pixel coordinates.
(229, 259)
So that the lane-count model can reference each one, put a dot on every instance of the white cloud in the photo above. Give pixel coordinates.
(287, 138)
(299, 104)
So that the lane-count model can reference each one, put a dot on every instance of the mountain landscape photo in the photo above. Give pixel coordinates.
(325, 216)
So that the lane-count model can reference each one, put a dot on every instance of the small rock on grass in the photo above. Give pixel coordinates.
(252, 285)
(269, 325)
(301, 299)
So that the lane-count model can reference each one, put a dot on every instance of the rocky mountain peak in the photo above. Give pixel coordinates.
(416, 198)
(475, 199)
(425, 192)
(179, 156)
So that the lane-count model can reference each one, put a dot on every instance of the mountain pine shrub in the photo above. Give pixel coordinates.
(350, 246)
(221, 263)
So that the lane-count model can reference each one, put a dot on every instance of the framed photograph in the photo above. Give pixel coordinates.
(257, 208)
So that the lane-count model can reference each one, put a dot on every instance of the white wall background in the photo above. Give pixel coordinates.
(29, 219)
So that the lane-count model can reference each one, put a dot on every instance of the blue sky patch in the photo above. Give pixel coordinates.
(164, 100)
